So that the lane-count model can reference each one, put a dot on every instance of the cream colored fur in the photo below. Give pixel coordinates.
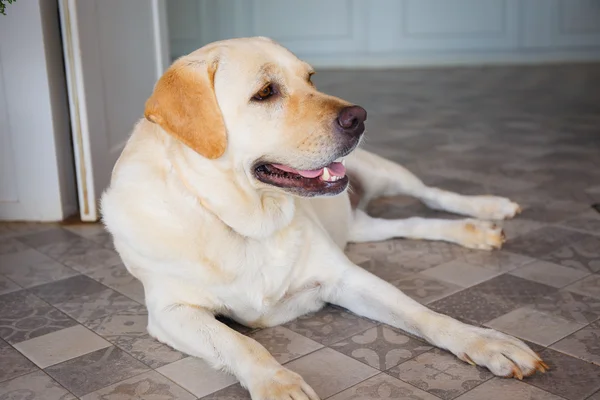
(206, 238)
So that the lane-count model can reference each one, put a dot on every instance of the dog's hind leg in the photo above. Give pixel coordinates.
(470, 233)
(377, 177)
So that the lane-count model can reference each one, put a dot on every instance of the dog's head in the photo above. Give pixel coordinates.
(251, 102)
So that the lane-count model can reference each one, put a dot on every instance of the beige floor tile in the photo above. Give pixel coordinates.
(196, 376)
(461, 273)
(284, 344)
(535, 326)
(505, 389)
(147, 386)
(62, 345)
(383, 386)
(36, 385)
(549, 273)
(329, 372)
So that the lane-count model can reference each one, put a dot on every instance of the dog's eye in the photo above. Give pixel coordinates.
(264, 93)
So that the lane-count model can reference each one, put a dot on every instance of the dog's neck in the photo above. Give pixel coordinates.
(252, 213)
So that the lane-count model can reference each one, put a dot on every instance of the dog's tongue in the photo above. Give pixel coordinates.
(335, 168)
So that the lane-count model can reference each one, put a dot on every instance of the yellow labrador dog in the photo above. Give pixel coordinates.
(230, 198)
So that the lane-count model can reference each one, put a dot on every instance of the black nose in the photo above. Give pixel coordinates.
(352, 120)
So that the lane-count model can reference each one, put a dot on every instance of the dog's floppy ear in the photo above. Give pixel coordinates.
(185, 105)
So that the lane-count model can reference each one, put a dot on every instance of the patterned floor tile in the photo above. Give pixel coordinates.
(589, 286)
(30, 268)
(535, 326)
(542, 242)
(568, 377)
(589, 222)
(8, 246)
(81, 254)
(491, 299)
(383, 386)
(329, 325)
(515, 228)
(584, 344)
(118, 278)
(13, 364)
(127, 330)
(440, 374)
(147, 386)
(284, 344)
(14, 304)
(460, 273)
(425, 289)
(7, 286)
(91, 306)
(595, 396)
(36, 385)
(233, 392)
(47, 237)
(569, 305)
(32, 323)
(329, 372)
(196, 376)
(549, 273)
(96, 370)
(59, 346)
(381, 347)
(583, 254)
(503, 389)
(68, 289)
(499, 261)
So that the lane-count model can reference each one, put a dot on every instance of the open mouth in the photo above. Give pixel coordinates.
(328, 180)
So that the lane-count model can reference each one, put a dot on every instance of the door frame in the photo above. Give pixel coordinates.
(81, 139)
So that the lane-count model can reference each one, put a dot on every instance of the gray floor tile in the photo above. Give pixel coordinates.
(584, 344)
(96, 370)
(68, 289)
(36, 385)
(383, 386)
(34, 322)
(381, 347)
(284, 344)
(549, 273)
(147, 386)
(329, 325)
(503, 389)
(329, 372)
(568, 377)
(13, 364)
(441, 374)
(588, 286)
(31, 268)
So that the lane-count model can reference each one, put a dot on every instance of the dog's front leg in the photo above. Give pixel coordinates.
(369, 296)
(195, 331)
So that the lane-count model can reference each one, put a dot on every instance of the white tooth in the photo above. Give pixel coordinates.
(343, 162)
(326, 175)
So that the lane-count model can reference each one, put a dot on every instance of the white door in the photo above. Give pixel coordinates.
(114, 52)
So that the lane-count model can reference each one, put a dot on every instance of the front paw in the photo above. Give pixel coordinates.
(480, 235)
(281, 384)
(502, 354)
(494, 208)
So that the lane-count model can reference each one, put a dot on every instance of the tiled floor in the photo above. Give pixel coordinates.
(72, 323)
